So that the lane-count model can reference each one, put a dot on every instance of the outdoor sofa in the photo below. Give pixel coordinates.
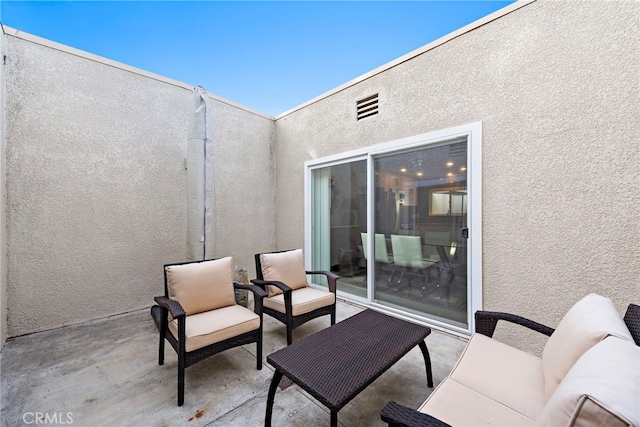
(588, 375)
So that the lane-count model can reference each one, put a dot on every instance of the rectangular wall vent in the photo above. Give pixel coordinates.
(367, 107)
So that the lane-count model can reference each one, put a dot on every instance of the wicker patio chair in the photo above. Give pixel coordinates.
(290, 298)
(199, 316)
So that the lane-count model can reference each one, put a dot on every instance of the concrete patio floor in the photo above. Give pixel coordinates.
(106, 373)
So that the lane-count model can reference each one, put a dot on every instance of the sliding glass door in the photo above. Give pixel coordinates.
(339, 209)
(420, 219)
(394, 222)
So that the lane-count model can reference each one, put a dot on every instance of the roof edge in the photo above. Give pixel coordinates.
(12, 32)
(417, 52)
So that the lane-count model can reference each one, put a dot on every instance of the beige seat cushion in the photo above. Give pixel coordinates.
(601, 389)
(286, 267)
(202, 286)
(218, 325)
(303, 300)
(502, 373)
(458, 405)
(588, 322)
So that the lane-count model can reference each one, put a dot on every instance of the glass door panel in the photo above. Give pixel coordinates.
(339, 217)
(420, 219)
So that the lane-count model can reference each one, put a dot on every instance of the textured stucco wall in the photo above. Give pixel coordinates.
(3, 247)
(556, 87)
(97, 185)
(245, 185)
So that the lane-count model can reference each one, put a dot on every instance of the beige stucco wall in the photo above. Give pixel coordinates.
(245, 190)
(555, 85)
(96, 184)
(3, 250)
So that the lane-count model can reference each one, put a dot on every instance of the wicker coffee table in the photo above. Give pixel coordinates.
(337, 363)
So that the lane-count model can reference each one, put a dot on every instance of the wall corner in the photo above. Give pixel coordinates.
(3, 193)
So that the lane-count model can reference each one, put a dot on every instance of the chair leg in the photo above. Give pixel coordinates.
(180, 381)
(401, 274)
(162, 334)
(161, 350)
(259, 352)
(426, 278)
(289, 334)
(393, 274)
(333, 315)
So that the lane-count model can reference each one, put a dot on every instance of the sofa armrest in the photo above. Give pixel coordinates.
(397, 415)
(486, 322)
(632, 320)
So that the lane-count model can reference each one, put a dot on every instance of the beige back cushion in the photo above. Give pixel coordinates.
(588, 322)
(601, 389)
(286, 267)
(201, 286)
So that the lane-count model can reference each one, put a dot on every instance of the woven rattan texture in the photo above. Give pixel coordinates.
(632, 320)
(301, 318)
(400, 416)
(335, 364)
(486, 322)
(160, 315)
(288, 318)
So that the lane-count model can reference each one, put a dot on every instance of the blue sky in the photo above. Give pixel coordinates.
(270, 56)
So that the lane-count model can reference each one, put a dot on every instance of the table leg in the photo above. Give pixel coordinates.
(334, 418)
(277, 376)
(427, 361)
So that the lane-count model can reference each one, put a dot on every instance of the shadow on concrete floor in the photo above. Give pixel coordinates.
(106, 373)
